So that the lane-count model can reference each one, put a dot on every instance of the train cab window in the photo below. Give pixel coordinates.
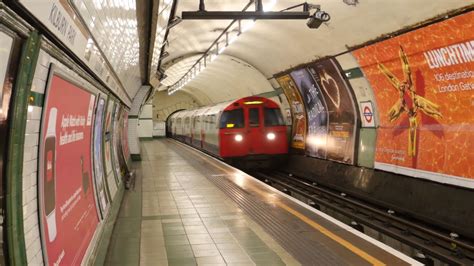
(254, 117)
(273, 117)
(232, 119)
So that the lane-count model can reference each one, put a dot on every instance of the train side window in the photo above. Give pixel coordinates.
(213, 121)
(254, 117)
(273, 117)
(232, 119)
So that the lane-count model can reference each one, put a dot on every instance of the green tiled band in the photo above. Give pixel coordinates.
(271, 93)
(36, 99)
(14, 187)
(353, 73)
(136, 157)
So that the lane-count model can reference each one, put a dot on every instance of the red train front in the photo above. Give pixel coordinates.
(247, 130)
(252, 127)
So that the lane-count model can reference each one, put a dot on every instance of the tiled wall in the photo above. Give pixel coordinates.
(133, 121)
(30, 171)
(164, 104)
(145, 124)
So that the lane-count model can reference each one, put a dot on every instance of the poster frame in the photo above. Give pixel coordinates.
(54, 69)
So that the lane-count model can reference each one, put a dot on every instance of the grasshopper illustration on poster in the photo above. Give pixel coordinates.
(409, 101)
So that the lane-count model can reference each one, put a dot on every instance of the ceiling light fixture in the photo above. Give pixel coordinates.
(227, 37)
(230, 34)
(175, 21)
(164, 55)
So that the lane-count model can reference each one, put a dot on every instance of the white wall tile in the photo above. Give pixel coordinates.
(145, 128)
(32, 126)
(29, 167)
(30, 222)
(31, 140)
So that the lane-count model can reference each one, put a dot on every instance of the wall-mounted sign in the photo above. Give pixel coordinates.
(367, 114)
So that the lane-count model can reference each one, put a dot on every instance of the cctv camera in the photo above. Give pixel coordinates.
(317, 19)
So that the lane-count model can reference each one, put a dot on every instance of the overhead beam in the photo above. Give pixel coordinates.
(239, 15)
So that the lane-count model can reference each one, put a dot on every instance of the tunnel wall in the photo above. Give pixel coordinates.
(432, 181)
(164, 105)
(350, 101)
(62, 175)
(114, 147)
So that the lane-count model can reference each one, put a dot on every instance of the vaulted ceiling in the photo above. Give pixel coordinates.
(267, 47)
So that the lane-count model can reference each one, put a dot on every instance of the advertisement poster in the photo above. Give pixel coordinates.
(124, 129)
(340, 109)
(6, 42)
(68, 214)
(109, 171)
(424, 86)
(98, 166)
(316, 139)
(297, 112)
(116, 144)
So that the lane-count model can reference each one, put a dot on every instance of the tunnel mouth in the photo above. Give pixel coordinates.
(167, 129)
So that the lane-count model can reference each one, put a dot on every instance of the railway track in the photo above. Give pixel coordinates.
(429, 241)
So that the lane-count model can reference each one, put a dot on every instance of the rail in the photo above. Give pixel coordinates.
(430, 241)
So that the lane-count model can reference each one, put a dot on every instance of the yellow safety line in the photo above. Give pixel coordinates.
(315, 225)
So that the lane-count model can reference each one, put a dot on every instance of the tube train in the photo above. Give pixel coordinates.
(241, 132)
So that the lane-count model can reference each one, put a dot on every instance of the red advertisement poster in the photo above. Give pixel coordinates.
(67, 205)
(424, 86)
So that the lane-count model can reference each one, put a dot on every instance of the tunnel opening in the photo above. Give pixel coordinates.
(167, 125)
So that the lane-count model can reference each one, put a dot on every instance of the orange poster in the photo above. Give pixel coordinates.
(298, 112)
(424, 86)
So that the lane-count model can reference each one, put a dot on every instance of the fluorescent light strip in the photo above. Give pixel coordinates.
(194, 71)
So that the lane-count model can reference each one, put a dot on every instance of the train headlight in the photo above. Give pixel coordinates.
(271, 136)
(238, 138)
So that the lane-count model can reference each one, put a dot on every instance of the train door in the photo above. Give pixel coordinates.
(255, 130)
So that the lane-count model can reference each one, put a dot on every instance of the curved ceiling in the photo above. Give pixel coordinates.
(225, 78)
(269, 47)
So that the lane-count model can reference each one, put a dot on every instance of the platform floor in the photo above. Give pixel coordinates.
(189, 209)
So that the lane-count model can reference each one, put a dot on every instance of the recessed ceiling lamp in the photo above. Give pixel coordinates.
(351, 2)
